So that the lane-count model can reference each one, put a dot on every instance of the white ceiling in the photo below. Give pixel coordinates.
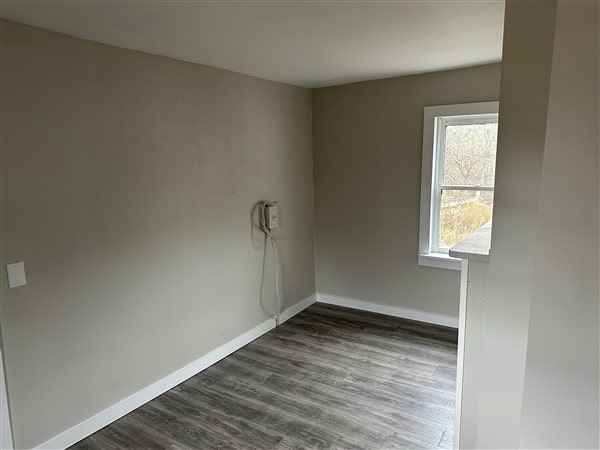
(306, 43)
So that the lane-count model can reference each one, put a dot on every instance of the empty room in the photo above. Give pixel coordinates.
(299, 224)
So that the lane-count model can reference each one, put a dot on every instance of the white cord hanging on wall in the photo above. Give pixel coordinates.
(269, 219)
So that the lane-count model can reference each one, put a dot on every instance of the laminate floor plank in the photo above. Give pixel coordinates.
(301, 407)
(351, 393)
(342, 354)
(246, 400)
(328, 378)
(363, 344)
(229, 426)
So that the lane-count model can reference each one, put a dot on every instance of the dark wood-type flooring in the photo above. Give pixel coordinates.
(330, 377)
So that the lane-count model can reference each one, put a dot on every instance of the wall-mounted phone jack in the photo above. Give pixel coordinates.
(271, 215)
(269, 219)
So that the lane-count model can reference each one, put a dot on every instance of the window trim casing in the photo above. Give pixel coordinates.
(430, 154)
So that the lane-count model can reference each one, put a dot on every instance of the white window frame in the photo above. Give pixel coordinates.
(437, 118)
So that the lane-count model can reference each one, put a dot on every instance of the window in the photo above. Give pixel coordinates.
(457, 180)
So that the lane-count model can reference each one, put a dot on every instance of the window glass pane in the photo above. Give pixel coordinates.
(462, 213)
(470, 154)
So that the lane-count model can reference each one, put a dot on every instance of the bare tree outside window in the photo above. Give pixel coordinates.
(469, 164)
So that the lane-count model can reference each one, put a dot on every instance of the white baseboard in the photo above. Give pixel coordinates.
(298, 307)
(118, 410)
(395, 311)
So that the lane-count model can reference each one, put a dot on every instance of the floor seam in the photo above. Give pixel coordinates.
(442, 437)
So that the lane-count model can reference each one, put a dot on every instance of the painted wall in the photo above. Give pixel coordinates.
(560, 397)
(526, 62)
(368, 141)
(540, 365)
(128, 182)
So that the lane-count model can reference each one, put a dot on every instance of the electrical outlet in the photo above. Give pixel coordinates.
(16, 275)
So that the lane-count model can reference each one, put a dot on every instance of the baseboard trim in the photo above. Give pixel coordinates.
(125, 406)
(298, 307)
(395, 311)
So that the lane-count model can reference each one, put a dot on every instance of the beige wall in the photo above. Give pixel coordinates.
(367, 156)
(127, 186)
(560, 395)
(526, 63)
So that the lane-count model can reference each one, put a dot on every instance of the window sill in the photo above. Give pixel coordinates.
(439, 260)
